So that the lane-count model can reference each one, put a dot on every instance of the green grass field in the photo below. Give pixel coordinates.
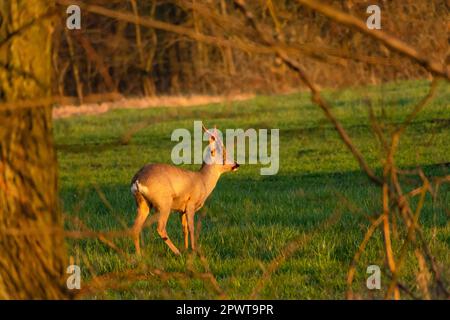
(250, 218)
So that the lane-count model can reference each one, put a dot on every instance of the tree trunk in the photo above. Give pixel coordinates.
(32, 248)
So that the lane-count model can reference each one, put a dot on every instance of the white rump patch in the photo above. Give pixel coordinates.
(137, 187)
(134, 187)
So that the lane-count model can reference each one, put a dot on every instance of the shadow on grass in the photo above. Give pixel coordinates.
(298, 201)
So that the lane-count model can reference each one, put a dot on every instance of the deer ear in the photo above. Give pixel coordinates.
(212, 146)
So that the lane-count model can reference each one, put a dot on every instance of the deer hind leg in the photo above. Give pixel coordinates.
(143, 209)
(163, 216)
(184, 224)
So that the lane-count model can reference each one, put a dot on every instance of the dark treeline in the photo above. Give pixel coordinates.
(110, 54)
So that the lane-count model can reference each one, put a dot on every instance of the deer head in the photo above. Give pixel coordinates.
(217, 154)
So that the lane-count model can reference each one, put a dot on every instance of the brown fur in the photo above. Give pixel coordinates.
(168, 188)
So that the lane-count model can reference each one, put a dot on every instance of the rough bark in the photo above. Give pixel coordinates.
(32, 248)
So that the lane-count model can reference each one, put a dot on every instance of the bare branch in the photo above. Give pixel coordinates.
(388, 40)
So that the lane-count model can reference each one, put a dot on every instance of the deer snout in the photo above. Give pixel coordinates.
(235, 167)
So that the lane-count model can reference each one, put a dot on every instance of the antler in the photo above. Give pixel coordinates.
(207, 131)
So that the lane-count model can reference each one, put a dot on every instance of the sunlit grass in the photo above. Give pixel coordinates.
(250, 218)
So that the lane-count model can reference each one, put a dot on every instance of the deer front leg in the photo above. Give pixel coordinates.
(161, 228)
(190, 220)
(184, 224)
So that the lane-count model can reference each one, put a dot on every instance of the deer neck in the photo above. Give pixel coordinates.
(210, 174)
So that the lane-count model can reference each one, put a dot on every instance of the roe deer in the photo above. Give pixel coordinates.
(168, 188)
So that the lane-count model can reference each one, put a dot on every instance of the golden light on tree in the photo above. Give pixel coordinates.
(32, 248)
